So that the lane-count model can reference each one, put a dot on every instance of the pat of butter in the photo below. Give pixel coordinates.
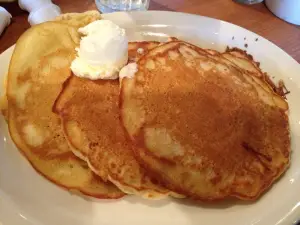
(103, 51)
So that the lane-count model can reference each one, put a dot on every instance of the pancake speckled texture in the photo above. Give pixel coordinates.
(39, 66)
(90, 118)
(206, 127)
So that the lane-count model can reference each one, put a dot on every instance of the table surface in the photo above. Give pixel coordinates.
(256, 18)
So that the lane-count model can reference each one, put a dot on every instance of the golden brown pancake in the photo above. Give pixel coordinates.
(90, 117)
(137, 49)
(204, 127)
(90, 109)
(35, 79)
(242, 61)
(78, 20)
(246, 62)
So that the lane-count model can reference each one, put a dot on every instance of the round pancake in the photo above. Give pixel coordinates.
(135, 52)
(90, 117)
(35, 78)
(80, 130)
(71, 19)
(205, 128)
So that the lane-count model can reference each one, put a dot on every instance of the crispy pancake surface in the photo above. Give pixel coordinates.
(135, 51)
(205, 126)
(35, 78)
(75, 20)
(90, 117)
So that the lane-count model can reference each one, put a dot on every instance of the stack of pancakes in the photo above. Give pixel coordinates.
(191, 123)
(207, 125)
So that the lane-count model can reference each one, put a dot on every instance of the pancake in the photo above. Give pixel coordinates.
(205, 127)
(246, 62)
(71, 19)
(96, 134)
(78, 20)
(35, 79)
(135, 51)
(139, 48)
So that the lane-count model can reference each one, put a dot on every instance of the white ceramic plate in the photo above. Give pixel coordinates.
(27, 198)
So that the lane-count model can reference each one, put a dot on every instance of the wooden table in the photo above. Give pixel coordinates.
(256, 18)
